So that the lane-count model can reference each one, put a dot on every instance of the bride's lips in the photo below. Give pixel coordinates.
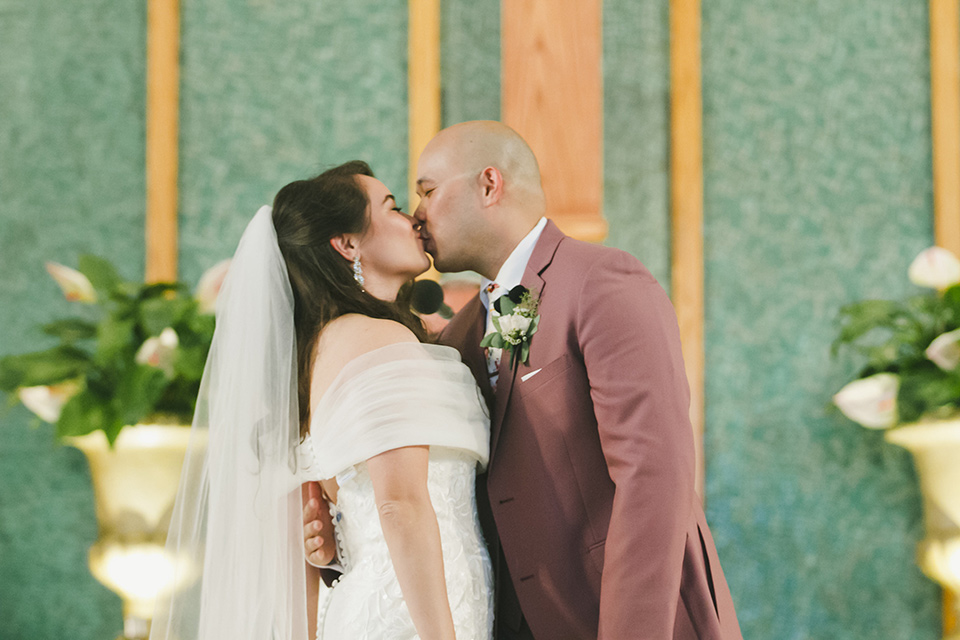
(424, 240)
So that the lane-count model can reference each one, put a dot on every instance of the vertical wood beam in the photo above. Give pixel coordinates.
(945, 120)
(163, 102)
(686, 203)
(945, 130)
(423, 81)
(423, 89)
(552, 95)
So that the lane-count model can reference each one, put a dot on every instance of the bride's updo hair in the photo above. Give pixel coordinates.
(306, 215)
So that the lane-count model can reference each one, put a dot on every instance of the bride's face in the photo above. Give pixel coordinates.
(390, 247)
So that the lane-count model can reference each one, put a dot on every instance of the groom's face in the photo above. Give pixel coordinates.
(446, 213)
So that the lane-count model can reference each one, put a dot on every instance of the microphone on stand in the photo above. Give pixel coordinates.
(427, 298)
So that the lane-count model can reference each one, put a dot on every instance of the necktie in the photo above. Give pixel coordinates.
(494, 291)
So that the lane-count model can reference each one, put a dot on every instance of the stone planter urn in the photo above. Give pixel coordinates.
(135, 485)
(936, 452)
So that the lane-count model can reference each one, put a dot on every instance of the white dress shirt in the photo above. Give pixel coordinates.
(511, 273)
(509, 276)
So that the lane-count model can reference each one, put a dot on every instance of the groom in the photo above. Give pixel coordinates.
(588, 504)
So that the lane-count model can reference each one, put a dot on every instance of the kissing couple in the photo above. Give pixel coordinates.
(528, 475)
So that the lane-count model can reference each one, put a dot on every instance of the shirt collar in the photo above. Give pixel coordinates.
(512, 270)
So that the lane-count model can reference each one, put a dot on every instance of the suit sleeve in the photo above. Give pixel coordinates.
(627, 331)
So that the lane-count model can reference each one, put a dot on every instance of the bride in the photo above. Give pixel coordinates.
(318, 372)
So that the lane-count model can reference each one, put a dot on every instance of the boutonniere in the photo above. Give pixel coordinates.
(515, 320)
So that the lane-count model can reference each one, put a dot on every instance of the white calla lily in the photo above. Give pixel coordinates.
(75, 286)
(935, 268)
(159, 351)
(872, 401)
(47, 401)
(944, 351)
(209, 286)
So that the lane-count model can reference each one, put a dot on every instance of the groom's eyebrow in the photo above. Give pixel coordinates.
(389, 197)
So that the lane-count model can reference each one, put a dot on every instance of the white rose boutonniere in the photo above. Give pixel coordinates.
(515, 320)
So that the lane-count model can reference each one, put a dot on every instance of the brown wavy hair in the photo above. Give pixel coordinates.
(307, 214)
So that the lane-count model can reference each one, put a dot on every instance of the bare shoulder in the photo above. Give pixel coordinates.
(349, 337)
(360, 334)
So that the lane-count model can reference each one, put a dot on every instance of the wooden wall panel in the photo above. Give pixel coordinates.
(552, 95)
(163, 104)
(945, 127)
(945, 120)
(686, 203)
(424, 82)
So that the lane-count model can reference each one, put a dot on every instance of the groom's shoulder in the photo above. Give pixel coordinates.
(582, 260)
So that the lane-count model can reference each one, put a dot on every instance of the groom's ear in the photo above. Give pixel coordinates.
(346, 245)
(491, 185)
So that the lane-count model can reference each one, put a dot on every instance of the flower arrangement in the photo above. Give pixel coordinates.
(133, 350)
(515, 320)
(912, 349)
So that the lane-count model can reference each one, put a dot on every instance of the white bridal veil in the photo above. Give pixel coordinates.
(237, 518)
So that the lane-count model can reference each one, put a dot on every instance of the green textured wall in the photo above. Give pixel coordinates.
(817, 174)
(636, 78)
(636, 124)
(470, 60)
(271, 92)
(818, 193)
(71, 181)
(276, 91)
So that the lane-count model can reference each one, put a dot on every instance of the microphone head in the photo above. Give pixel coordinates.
(427, 297)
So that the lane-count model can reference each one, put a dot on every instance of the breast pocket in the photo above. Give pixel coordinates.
(539, 379)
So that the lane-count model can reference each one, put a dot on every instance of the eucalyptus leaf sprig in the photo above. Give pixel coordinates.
(132, 350)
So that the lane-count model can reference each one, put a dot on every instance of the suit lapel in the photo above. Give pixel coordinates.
(540, 259)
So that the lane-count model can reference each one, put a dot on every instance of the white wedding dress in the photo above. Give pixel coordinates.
(401, 395)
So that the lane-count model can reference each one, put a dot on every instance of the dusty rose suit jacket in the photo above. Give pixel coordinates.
(591, 476)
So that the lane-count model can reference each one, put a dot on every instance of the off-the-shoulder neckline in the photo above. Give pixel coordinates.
(354, 362)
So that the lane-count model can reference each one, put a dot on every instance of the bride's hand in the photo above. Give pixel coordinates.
(318, 537)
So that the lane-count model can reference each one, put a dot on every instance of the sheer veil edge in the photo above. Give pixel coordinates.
(235, 534)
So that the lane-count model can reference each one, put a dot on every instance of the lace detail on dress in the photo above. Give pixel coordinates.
(366, 603)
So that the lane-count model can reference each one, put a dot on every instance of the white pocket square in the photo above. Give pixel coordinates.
(527, 376)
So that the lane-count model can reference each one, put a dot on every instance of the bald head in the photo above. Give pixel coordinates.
(480, 191)
(471, 147)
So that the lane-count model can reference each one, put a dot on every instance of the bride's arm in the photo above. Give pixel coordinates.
(410, 527)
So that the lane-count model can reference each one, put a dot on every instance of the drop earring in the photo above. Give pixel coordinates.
(358, 271)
